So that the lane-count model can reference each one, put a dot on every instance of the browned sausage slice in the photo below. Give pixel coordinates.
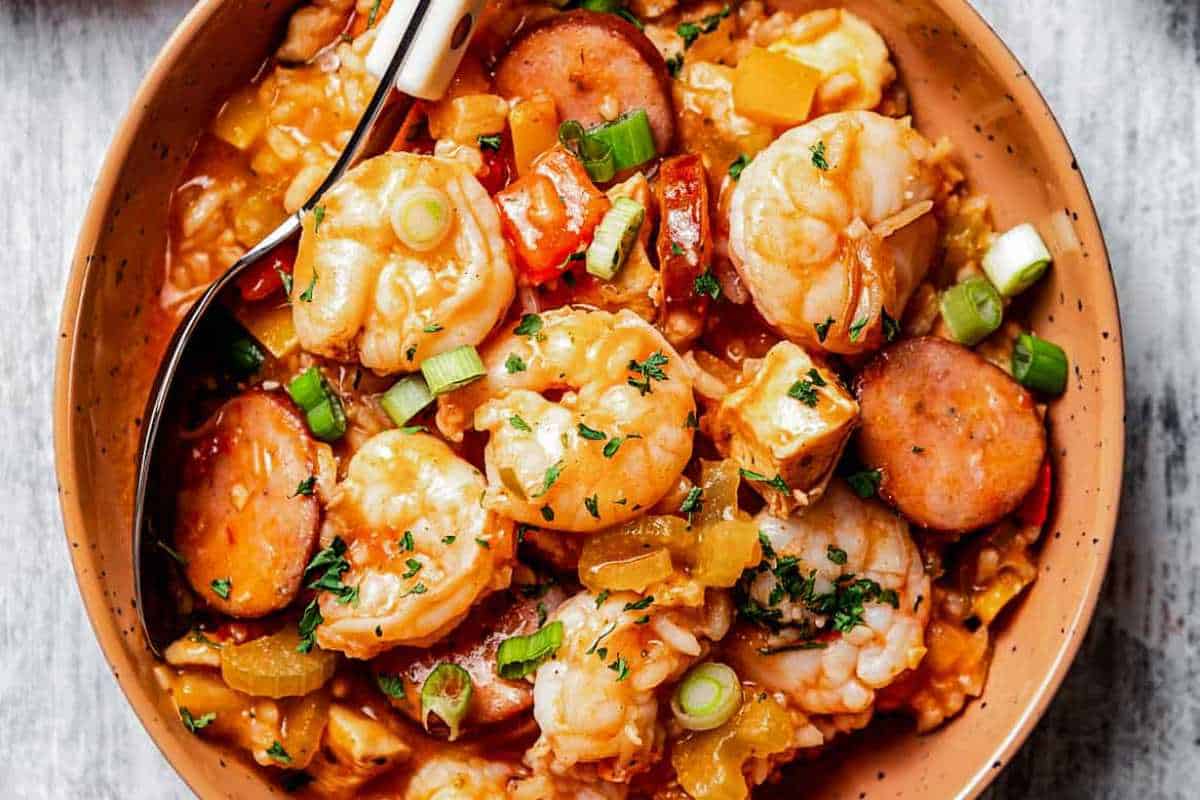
(585, 60)
(472, 646)
(957, 440)
(238, 516)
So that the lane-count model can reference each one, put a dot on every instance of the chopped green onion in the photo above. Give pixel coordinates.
(707, 697)
(407, 398)
(448, 371)
(519, 656)
(1039, 364)
(630, 138)
(446, 693)
(596, 155)
(308, 389)
(972, 310)
(421, 217)
(603, 6)
(246, 356)
(1017, 260)
(614, 237)
(327, 420)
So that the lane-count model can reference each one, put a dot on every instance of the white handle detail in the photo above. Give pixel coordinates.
(437, 49)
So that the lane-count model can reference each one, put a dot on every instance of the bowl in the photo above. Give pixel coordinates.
(964, 83)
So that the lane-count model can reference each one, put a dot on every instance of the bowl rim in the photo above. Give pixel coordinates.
(975, 29)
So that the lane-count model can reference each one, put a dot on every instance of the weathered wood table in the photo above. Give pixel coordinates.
(1124, 78)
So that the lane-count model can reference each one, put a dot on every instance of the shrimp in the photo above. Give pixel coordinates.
(809, 222)
(612, 445)
(851, 56)
(596, 700)
(452, 776)
(843, 606)
(403, 260)
(420, 546)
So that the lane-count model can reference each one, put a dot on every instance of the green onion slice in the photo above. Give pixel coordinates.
(614, 237)
(407, 398)
(973, 310)
(446, 693)
(246, 356)
(629, 136)
(327, 420)
(308, 389)
(1017, 260)
(1039, 364)
(596, 155)
(519, 656)
(455, 368)
(707, 697)
(421, 217)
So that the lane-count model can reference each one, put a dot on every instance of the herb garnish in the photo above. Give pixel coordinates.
(822, 328)
(221, 587)
(514, 363)
(531, 325)
(866, 483)
(491, 142)
(650, 369)
(195, 724)
(305, 487)
(738, 166)
(706, 284)
(690, 31)
(818, 156)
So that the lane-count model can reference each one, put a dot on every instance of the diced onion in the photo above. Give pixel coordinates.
(614, 237)
(407, 398)
(1039, 364)
(1016, 260)
(421, 217)
(446, 693)
(308, 389)
(973, 310)
(519, 656)
(707, 697)
(629, 136)
(448, 371)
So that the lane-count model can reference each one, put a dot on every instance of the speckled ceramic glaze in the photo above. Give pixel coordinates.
(964, 84)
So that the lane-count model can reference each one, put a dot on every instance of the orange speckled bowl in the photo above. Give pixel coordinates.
(964, 84)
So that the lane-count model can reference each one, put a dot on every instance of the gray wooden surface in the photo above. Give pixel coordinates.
(1124, 78)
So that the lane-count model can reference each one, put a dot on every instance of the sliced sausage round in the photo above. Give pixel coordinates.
(472, 646)
(957, 440)
(247, 513)
(589, 62)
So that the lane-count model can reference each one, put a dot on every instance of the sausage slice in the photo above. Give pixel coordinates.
(472, 646)
(585, 60)
(238, 516)
(957, 440)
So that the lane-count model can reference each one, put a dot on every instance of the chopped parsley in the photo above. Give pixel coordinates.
(277, 753)
(514, 363)
(690, 31)
(822, 328)
(221, 587)
(305, 487)
(650, 370)
(621, 667)
(675, 65)
(805, 390)
(777, 483)
(484, 543)
(432, 327)
(391, 685)
(600, 598)
(530, 325)
(765, 543)
(866, 483)
(693, 501)
(449, 539)
(373, 14)
(406, 542)
(286, 279)
(307, 295)
(490, 142)
(692, 421)
(591, 433)
(309, 621)
(551, 476)
(410, 353)
(891, 328)
(640, 605)
(836, 554)
(818, 156)
(592, 504)
(676, 250)
(318, 218)
(857, 328)
(330, 563)
(414, 567)
(519, 424)
(738, 166)
(195, 724)
(418, 589)
(547, 513)
(706, 285)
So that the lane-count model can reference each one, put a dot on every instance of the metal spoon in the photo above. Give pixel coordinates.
(418, 46)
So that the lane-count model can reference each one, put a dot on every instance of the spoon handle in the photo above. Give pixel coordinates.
(435, 53)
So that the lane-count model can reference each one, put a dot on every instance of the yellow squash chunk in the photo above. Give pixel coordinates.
(271, 326)
(534, 126)
(773, 88)
(786, 427)
(241, 120)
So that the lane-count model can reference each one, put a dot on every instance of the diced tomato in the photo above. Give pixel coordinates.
(550, 213)
(498, 168)
(684, 243)
(266, 277)
(1036, 506)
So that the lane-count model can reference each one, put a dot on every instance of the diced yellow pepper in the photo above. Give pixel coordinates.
(271, 326)
(534, 126)
(773, 88)
(241, 120)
